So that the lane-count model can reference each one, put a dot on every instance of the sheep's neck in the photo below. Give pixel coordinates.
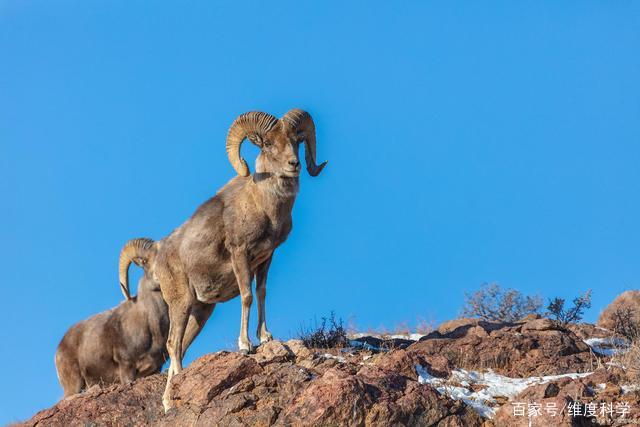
(276, 193)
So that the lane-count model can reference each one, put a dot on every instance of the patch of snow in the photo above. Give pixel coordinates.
(455, 392)
(365, 346)
(424, 377)
(602, 386)
(629, 387)
(458, 386)
(355, 343)
(331, 356)
(412, 337)
(607, 346)
(360, 335)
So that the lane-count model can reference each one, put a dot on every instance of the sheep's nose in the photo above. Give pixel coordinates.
(294, 163)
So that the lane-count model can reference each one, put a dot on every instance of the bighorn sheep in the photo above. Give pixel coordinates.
(214, 256)
(121, 344)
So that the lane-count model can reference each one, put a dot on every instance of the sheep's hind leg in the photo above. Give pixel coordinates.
(178, 316)
(243, 276)
(71, 380)
(261, 292)
(200, 313)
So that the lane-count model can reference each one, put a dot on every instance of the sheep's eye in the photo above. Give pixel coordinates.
(266, 143)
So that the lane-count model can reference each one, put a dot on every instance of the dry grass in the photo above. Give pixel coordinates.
(424, 326)
(626, 324)
(630, 359)
(352, 326)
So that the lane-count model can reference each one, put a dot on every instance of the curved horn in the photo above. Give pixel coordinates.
(252, 125)
(137, 251)
(303, 123)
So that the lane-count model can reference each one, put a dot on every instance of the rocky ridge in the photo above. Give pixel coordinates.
(466, 373)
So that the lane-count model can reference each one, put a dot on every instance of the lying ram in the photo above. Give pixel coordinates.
(121, 344)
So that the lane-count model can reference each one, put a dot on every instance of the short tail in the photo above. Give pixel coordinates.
(139, 251)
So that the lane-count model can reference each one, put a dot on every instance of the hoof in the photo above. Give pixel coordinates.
(244, 351)
(167, 405)
(266, 338)
(169, 410)
(247, 350)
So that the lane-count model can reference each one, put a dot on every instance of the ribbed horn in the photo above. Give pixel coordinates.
(138, 251)
(253, 125)
(303, 123)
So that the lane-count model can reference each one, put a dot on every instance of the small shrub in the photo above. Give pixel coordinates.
(626, 300)
(402, 329)
(626, 323)
(557, 311)
(329, 333)
(352, 326)
(492, 302)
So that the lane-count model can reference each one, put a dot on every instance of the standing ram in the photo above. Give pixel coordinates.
(230, 239)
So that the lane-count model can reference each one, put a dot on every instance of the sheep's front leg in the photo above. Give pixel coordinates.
(127, 372)
(179, 310)
(261, 291)
(243, 277)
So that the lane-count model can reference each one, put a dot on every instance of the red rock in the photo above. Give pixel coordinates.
(336, 398)
(273, 351)
(521, 349)
(289, 384)
(539, 325)
(299, 349)
(209, 375)
(138, 404)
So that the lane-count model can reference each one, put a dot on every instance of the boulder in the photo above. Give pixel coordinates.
(273, 351)
(535, 346)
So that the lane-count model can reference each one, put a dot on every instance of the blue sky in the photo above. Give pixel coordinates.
(467, 143)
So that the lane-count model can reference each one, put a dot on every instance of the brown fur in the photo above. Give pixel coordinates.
(229, 240)
(117, 345)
